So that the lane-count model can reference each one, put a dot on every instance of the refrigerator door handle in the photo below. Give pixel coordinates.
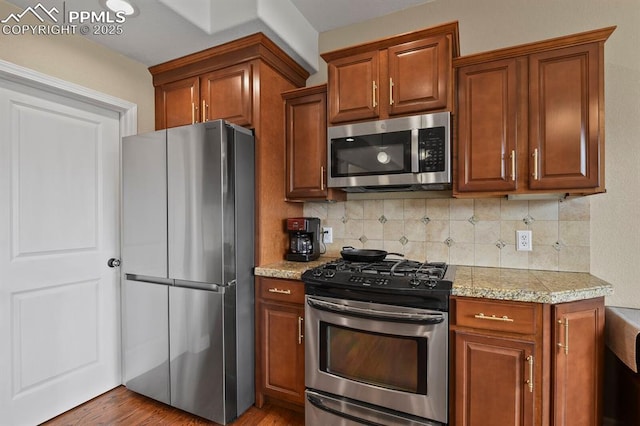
(148, 279)
(199, 286)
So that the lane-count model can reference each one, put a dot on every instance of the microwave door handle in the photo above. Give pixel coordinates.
(415, 155)
(376, 313)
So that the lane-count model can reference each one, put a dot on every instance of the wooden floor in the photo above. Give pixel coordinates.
(120, 406)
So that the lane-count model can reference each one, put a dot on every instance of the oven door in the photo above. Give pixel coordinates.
(389, 356)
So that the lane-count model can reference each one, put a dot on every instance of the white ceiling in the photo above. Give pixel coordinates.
(167, 29)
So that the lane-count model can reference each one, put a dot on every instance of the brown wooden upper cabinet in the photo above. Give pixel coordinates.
(306, 134)
(225, 93)
(401, 75)
(530, 118)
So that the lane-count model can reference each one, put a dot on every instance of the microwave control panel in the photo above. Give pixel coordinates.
(432, 149)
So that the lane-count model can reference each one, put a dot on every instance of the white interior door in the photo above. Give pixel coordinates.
(59, 224)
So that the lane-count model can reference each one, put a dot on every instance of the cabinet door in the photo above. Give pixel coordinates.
(564, 119)
(488, 105)
(354, 87)
(282, 346)
(227, 94)
(493, 380)
(306, 134)
(177, 103)
(578, 359)
(419, 75)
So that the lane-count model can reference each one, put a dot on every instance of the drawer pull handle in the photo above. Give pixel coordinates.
(279, 291)
(493, 317)
(530, 381)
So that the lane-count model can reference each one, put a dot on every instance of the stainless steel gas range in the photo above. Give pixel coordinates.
(377, 343)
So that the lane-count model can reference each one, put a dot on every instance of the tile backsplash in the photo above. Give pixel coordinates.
(475, 232)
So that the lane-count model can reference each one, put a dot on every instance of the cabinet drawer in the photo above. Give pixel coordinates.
(514, 317)
(281, 290)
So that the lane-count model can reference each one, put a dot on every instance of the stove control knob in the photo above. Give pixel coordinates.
(414, 282)
(329, 274)
(317, 272)
(432, 283)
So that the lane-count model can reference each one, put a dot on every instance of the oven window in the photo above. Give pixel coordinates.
(375, 154)
(392, 362)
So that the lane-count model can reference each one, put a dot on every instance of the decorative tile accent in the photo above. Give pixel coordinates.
(382, 219)
(404, 240)
(448, 242)
(528, 219)
(557, 246)
(500, 244)
(363, 239)
(344, 219)
(473, 220)
(425, 220)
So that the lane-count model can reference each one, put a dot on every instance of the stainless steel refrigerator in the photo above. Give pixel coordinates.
(187, 263)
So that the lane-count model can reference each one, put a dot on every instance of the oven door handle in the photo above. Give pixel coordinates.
(424, 318)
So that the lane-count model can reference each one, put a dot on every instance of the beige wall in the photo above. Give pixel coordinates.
(81, 61)
(491, 24)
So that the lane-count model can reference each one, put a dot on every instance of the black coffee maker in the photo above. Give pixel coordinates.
(304, 238)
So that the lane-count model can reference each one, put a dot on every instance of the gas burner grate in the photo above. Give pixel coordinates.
(395, 267)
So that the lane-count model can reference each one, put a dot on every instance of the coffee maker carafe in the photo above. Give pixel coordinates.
(304, 238)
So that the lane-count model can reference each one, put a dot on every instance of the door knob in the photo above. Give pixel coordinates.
(113, 262)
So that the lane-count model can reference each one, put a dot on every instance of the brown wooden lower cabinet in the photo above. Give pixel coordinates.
(279, 341)
(491, 389)
(517, 363)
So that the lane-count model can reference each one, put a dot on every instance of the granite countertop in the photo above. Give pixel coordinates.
(527, 285)
(492, 283)
(289, 270)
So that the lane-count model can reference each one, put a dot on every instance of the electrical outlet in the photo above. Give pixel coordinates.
(523, 241)
(327, 235)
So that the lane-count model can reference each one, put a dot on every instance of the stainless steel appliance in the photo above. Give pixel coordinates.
(304, 238)
(401, 154)
(376, 349)
(187, 259)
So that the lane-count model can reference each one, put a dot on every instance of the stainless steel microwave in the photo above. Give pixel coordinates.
(400, 154)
